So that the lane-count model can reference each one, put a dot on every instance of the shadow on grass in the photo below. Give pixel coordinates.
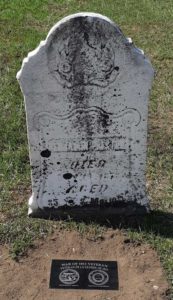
(156, 222)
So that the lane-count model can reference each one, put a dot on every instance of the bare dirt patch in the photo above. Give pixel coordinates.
(140, 272)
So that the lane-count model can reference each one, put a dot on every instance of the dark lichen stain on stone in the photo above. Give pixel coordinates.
(104, 120)
(117, 68)
(45, 153)
(71, 201)
(67, 176)
(86, 38)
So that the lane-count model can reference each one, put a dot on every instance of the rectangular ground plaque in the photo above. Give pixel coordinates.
(84, 274)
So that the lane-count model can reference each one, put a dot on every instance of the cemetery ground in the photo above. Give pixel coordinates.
(28, 245)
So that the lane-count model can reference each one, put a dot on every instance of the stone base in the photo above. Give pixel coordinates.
(91, 213)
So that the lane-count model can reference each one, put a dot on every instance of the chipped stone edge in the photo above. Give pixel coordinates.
(32, 205)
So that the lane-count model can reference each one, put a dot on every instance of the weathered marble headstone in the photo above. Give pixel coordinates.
(86, 91)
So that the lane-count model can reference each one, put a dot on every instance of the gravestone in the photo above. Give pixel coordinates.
(86, 90)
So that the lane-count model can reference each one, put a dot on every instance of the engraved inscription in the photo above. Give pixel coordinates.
(90, 145)
(88, 164)
(94, 188)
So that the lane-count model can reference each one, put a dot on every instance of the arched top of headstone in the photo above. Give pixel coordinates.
(84, 49)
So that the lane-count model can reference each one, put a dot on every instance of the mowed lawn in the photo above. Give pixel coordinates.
(23, 24)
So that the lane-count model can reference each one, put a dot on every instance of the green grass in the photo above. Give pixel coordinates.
(23, 23)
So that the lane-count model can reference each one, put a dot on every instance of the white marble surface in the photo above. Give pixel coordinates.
(86, 90)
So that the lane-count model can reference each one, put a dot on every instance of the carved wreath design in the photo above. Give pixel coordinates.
(83, 56)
